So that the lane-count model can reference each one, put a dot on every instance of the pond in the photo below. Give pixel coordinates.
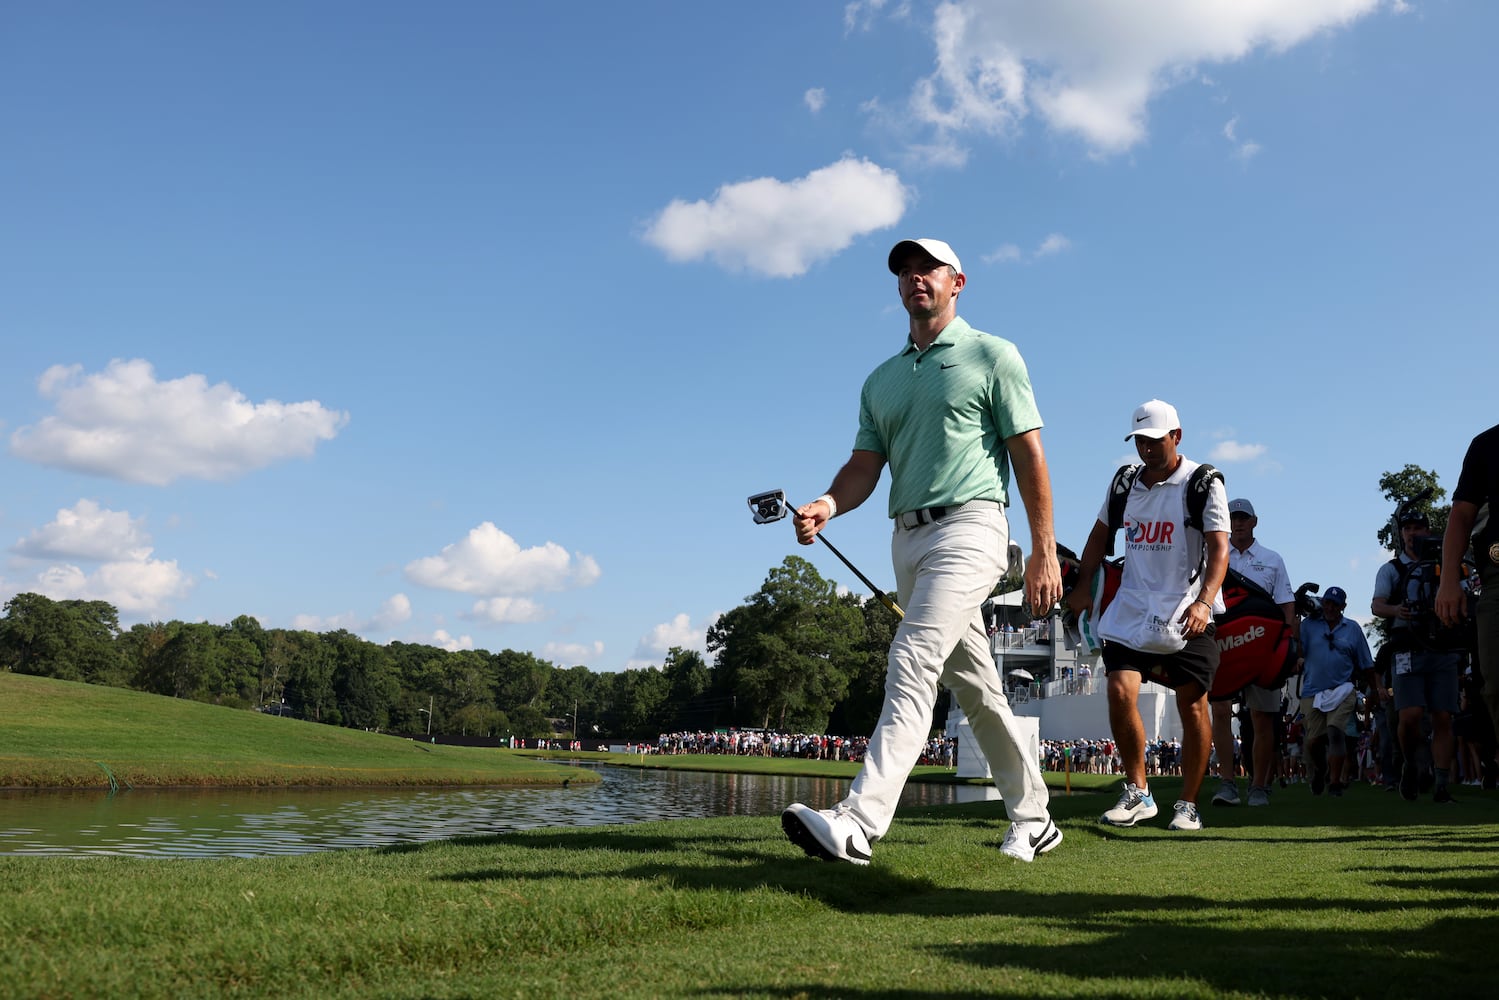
(214, 823)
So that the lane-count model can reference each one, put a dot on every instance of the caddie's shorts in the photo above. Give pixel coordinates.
(1195, 663)
(1264, 699)
(1425, 679)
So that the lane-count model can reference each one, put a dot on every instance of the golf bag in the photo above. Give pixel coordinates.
(1255, 645)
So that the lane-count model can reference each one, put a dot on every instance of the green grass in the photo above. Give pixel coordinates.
(1363, 896)
(56, 734)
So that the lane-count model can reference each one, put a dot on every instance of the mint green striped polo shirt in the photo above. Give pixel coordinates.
(941, 416)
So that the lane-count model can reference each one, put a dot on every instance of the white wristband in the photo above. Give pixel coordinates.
(832, 505)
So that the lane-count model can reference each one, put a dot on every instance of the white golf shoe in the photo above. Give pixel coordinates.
(826, 834)
(1031, 838)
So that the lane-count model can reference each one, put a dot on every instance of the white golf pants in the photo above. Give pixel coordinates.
(944, 571)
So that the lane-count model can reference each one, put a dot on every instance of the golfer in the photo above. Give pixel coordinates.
(950, 413)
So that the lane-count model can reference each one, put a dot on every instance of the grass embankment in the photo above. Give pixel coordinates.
(56, 734)
(1361, 896)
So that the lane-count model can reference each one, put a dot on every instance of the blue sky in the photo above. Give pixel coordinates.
(475, 324)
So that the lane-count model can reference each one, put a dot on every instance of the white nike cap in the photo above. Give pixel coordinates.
(940, 251)
(1154, 419)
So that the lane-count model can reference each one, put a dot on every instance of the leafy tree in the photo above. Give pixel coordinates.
(788, 654)
(141, 650)
(637, 707)
(581, 692)
(689, 703)
(309, 688)
(70, 640)
(191, 664)
(860, 710)
(364, 682)
(1399, 487)
(520, 680)
(528, 722)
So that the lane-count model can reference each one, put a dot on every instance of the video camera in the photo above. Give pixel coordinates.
(1418, 584)
(1308, 604)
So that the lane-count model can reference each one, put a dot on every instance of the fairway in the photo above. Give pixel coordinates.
(61, 734)
(1363, 896)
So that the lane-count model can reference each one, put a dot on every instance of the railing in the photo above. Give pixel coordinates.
(1071, 685)
(1018, 639)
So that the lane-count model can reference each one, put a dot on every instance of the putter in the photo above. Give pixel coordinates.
(771, 506)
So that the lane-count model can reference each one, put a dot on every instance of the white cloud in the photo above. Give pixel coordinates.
(126, 577)
(88, 531)
(124, 424)
(490, 563)
(393, 611)
(677, 632)
(1233, 451)
(507, 610)
(815, 98)
(1054, 243)
(1243, 150)
(1091, 69)
(1007, 253)
(443, 640)
(570, 654)
(138, 588)
(858, 15)
(318, 623)
(781, 228)
(652, 648)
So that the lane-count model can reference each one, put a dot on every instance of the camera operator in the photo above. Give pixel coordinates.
(1425, 679)
(1477, 489)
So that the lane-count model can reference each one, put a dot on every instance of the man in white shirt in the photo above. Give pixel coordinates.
(1159, 626)
(1264, 566)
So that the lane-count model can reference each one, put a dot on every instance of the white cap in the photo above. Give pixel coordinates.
(1154, 419)
(1241, 507)
(939, 250)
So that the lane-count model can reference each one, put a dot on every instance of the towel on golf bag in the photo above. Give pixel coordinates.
(1255, 645)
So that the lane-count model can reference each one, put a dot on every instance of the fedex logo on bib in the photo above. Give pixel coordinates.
(1149, 536)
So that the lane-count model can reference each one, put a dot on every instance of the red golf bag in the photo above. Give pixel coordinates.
(1255, 645)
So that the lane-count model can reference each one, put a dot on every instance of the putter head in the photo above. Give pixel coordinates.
(769, 506)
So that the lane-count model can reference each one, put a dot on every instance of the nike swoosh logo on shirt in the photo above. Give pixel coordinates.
(946, 367)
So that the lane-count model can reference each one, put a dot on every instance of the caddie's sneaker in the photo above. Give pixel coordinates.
(1029, 838)
(1259, 796)
(1186, 817)
(1228, 794)
(1442, 795)
(1134, 805)
(826, 834)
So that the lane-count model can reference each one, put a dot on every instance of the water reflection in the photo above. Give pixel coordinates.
(260, 823)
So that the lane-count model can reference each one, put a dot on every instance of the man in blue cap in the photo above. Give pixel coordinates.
(1334, 652)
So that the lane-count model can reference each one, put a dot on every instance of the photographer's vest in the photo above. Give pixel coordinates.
(1162, 561)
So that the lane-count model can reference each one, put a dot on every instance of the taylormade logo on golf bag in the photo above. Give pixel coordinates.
(1228, 642)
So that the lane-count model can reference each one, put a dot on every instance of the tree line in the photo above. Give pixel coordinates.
(797, 656)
